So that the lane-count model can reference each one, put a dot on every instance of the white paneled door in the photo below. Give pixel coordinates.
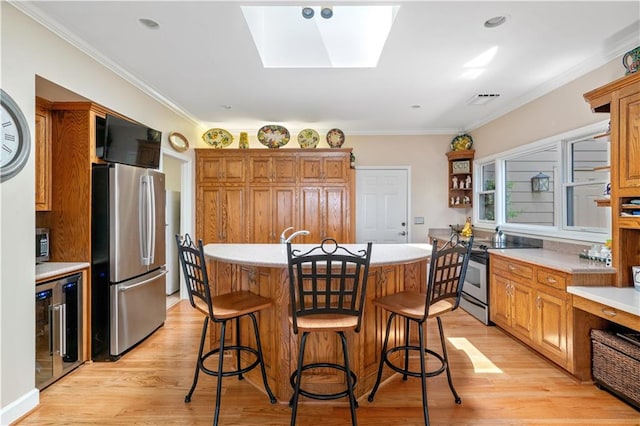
(382, 205)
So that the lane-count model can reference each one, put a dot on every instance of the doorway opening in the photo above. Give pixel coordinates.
(177, 169)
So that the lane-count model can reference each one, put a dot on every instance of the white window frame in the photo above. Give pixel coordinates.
(560, 230)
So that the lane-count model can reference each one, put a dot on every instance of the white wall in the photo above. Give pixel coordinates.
(559, 111)
(28, 49)
(426, 155)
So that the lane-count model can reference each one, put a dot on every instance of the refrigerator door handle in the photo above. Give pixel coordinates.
(51, 330)
(152, 220)
(122, 288)
(146, 218)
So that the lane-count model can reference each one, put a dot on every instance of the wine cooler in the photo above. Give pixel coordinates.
(58, 328)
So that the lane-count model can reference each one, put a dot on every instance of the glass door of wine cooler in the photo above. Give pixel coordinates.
(58, 328)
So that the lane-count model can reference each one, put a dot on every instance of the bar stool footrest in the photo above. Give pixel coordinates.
(229, 373)
(407, 372)
(324, 397)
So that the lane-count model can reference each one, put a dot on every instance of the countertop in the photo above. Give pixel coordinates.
(275, 255)
(566, 262)
(52, 269)
(626, 299)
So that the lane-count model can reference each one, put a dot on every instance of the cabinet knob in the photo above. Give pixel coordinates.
(609, 312)
(552, 280)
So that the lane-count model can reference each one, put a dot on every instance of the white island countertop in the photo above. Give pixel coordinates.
(626, 299)
(53, 269)
(275, 255)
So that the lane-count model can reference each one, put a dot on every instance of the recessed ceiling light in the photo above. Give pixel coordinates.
(149, 23)
(326, 12)
(307, 12)
(496, 21)
(416, 106)
(225, 106)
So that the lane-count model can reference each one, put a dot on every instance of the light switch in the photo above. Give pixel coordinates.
(418, 220)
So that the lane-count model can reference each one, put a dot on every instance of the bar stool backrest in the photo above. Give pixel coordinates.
(328, 279)
(447, 270)
(194, 268)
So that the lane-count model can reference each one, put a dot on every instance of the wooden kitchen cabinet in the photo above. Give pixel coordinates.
(271, 209)
(324, 212)
(221, 214)
(270, 190)
(329, 168)
(621, 100)
(222, 169)
(460, 178)
(270, 168)
(43, 154)
(530, 302)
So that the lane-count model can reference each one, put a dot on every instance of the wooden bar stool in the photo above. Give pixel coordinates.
(447, 270)
(220, 309)
(327, 286)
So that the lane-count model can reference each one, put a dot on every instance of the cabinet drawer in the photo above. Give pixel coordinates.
(515, 268)
(607, 312)
(551, 278)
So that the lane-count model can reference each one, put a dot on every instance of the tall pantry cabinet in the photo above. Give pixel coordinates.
(252, 195)
(621, 99)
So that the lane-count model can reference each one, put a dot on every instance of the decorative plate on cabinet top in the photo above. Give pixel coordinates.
(335, 138)
(308, 138)
(461, 142)
(273, 136)
(218, 138)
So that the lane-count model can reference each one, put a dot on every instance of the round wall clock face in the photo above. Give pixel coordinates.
(178, 141)
(14, 137)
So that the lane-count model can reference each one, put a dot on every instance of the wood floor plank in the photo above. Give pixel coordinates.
(147, 387)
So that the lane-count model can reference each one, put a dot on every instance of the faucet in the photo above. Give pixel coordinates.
(284, 239)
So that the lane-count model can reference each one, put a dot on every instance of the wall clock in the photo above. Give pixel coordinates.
(178, 141)
(16, 141)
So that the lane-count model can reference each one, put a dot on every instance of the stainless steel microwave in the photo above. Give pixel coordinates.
(42, 244)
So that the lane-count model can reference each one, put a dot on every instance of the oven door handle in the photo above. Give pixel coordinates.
(472, 300)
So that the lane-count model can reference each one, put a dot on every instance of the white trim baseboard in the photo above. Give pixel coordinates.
(18, 408)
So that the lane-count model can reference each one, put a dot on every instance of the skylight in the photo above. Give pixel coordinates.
(352, 38)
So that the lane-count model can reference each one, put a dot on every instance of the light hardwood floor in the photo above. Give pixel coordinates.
(147, 386)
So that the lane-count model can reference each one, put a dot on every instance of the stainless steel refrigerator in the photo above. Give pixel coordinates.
(128, 257)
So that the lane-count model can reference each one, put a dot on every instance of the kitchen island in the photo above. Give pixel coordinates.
(262, 269)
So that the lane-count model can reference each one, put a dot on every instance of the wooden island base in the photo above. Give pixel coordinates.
(280, 345)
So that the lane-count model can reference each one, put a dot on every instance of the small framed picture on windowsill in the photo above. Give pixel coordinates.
(460, 166)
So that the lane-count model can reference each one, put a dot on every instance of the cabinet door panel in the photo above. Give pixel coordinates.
(234, 215)
(259, 169)
(500, 300)
(552, 325)
(311, 214)
(209, 169)
(336, 214)
(310, 169)
(522, 305)
(284, 169)
(336, 168)
(284, 210)
(630, 141)
(260, 215)
(43, 159)
(209, 217)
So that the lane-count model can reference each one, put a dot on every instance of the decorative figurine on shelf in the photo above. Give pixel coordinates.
(465, 199)
(457, 200)
(468, 182)
(453, 201)
(467, 231)
(455, 182)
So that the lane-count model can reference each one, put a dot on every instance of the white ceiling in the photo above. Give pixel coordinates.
(202, 61)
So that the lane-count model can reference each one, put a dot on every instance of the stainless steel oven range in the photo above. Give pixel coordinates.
(476, 290)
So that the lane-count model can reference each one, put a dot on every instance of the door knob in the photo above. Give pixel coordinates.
(404, 224)
(403, 233)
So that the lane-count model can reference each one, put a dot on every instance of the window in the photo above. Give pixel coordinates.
(574, 173)
(487, 208)
(587, 179)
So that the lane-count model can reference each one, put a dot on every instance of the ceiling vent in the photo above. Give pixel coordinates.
(482, 98)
